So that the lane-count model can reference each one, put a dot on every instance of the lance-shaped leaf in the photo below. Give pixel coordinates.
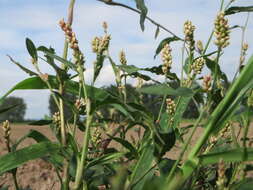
(162, 89)
(233, 10)
(98, 64)
(35, 83)
(31, 49)
(163, 43)
(28, 71)
(15, 159)
(140, 4)
(142, 171)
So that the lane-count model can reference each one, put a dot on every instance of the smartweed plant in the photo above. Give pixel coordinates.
(219, 159)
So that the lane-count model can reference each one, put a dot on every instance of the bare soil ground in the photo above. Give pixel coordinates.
(40, 175)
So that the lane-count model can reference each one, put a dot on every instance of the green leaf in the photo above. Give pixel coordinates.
(35, 135)
(164, 141)
(122, 109)
(211, 65)
(165, 165)
(130, 69)
(41, 122)
(235, 155)
(125, 144)
(142, 172)
(157, 32)
(15, 159)
(35, 83)
(163, 43)
(31, 49)
(105, 159)
(233, 10)
(245, 184)
(98, 66)
(162, 89)
(28, 71)
(140, 4)
(63, 61)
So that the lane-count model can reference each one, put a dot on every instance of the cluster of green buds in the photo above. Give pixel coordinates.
(198, 65)
(200, 47)
(243, 54)
(189, 34)
(122, 57)
(7, 130)
(166, 58)
(73, 42)
(221, 182)
(100, 44)
(187, 81)
(56, 118)
(207, 82)
(79, 103)
(96, 137)
(171, 106)
(221, 30)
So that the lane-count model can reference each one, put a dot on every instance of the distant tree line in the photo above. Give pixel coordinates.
(17, 111)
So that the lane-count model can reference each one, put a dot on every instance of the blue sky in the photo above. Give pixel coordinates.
(38, 20)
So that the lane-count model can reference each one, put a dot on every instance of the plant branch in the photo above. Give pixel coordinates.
(112, 3)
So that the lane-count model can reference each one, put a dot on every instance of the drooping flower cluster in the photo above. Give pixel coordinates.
(189, 34)
(207, 81)
(198, 65)
(221, 30)
(73, 42)
(171, 106)
(166, 58)
(122, 57)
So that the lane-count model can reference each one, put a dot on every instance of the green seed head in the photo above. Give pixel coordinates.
(166, 58)
(221, 30)
(198, 65)
(122, 57)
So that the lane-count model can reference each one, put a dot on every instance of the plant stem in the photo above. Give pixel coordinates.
(61, 90)
(82, 162)
(13, 172)
(216, 67)
(172, 171)
(139, 12)
(242, 41)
